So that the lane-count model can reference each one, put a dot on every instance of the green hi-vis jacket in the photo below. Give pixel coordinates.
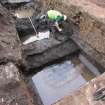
(55, 15)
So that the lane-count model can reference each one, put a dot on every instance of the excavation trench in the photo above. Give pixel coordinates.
(52, 64)
(55, 66)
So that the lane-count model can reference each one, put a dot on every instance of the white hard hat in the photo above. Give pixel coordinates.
(65, 17)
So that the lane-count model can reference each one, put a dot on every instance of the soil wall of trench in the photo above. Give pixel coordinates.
(90, 19)
(13, 88)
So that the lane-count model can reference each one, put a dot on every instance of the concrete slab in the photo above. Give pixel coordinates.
(57, 81)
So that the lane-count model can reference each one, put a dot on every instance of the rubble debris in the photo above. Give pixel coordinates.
(100, 94)
(9, 74)
(12, 89)
(85, 96)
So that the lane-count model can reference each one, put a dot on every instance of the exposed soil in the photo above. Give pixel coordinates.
(99, 2)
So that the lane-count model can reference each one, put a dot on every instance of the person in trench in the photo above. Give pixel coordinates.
(55, 17)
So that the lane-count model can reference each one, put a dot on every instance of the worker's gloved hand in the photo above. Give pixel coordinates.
(59, 29)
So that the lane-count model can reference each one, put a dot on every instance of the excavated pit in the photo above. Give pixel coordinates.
(41, 57)
(52, 68)
(49, 48)
(60, 55)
